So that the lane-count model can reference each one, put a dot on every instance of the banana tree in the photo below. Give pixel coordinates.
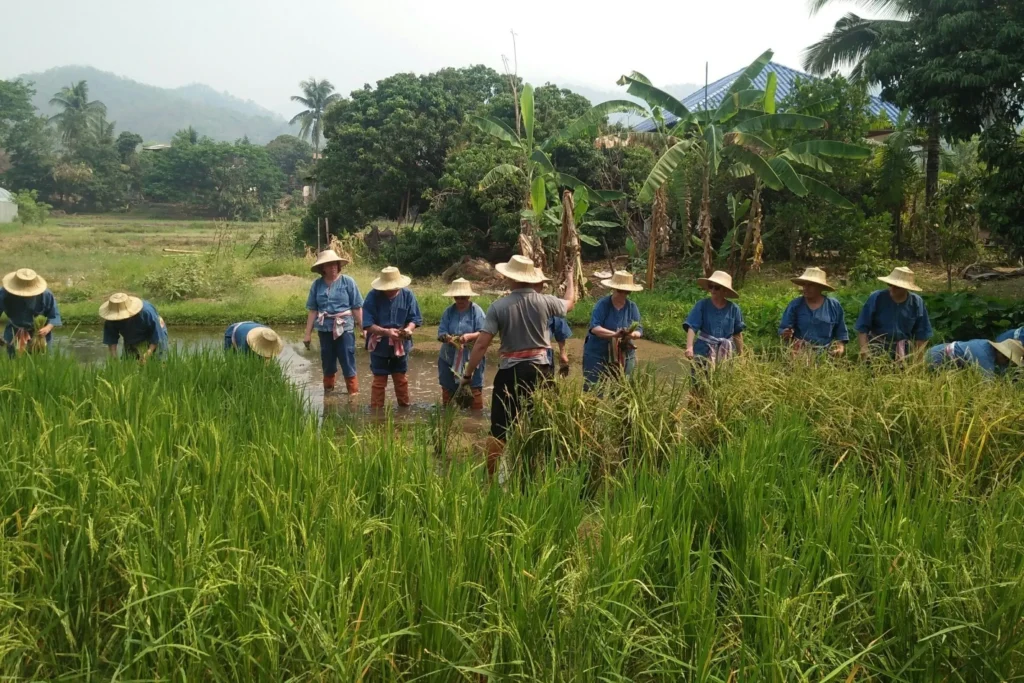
(765, 147)
(535, 167)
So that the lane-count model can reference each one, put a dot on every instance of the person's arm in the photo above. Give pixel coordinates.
(52, 314)
(690, 336)
(110, 337)
(563, 357)
(355, 298)
(442, 327)
(841, 334)
(483, 341)
(307, 337)
(694, 321)
(639, 331)
(788, 322)
(737, 331)
(738, 340)
(570, 290)
(862, 341)
(415, 318)
(922, 329)
(597, 317)
(863, 325)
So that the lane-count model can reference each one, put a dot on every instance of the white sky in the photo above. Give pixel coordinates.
(261, 49)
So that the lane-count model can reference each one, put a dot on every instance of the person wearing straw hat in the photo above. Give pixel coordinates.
(558, 328)
(815, 320)
(390, 314)
(460, 326)
(521, 318)
(1012, 335)
(135, 321)
(614, 324)
(714, 327)
(23, 297)
(252, 337)
(335, 308)
(991, 358)
(894, 317)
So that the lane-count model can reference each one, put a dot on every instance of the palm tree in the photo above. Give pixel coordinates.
(316, 97)
(849, 44)
(77, 113)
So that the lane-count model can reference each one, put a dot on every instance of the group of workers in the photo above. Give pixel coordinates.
(893, 321)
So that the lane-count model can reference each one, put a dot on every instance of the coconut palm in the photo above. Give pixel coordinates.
(849, 44)
(77, 114)
(316, 97)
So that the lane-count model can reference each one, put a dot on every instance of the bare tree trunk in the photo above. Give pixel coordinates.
(931, 183)
(748, 238)
(897, 221)
(568, 247)
(757, 218)
(530, 244)
(686, 221)
(704, 221)
(659, 223)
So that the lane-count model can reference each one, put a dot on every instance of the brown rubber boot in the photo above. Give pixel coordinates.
(478, 399)
(446, 396)
(329, 382)
(494, 447)
(380, 385)
(352, 384)
(401, 388)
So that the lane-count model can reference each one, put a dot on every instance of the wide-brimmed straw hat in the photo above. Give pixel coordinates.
(1012, 349)
(24, 282)
(814, 276)
(390, 278)
(264, 342)
(120, 306)
(460, 287)
(622, 281)
(328, 256)
(521, 269)
(722, 279)
(543, 277)
(901, 277)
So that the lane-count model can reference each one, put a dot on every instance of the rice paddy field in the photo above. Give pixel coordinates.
(192, 520)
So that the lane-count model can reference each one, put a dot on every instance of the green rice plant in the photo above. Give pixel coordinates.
(192, 519)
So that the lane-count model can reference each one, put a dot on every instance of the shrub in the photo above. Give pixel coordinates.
(198, 277)
(30, 210)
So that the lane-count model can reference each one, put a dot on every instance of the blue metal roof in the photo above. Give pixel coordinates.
(785, 83)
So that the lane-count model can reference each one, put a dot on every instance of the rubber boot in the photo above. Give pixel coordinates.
(401, 389)
(352, 384)
(495, 447)
(478, 399)
(329, 382)
(380, 385)
(446, 396)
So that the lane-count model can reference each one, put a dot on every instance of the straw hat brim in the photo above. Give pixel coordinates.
(262, 347)
(609, 284)
(456, 292)
(1006, 349)
(910, 287)
(341, 261)
(12, 285)
(518, 277)
(730, 293)
(132, 308)
(380, 285)
(808, 281)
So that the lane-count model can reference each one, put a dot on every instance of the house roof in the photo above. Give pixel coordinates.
(785, 83)
(6, 196)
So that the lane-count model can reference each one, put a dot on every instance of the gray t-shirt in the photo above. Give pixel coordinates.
(521, 318)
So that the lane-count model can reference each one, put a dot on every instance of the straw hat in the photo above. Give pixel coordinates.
(543, 277)
(901, 277)
(120, 306)
(814, 276)
(521, 269)
(264, 342)
(460, 287)
(1012, 349)
(390, 279)
(328, 256)
(623, 281)
(24, 282)
(721, 278)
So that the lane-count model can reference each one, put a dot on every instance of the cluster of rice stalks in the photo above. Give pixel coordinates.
(191, 520)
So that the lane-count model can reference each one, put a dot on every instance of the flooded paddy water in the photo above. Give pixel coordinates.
(302, 367)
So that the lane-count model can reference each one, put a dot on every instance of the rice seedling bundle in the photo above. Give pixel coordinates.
(191, 519)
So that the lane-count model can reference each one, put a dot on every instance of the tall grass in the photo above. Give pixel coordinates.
(190, 520)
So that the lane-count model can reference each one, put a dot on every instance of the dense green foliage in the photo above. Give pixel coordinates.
(154, 529)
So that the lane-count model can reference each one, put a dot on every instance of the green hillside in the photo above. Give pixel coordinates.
(157, 113)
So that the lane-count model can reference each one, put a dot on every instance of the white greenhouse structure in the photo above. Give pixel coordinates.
(8, 209)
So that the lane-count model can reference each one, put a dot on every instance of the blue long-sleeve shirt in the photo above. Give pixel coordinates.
(820, 327)
(607, 316)
(339, 296)
(560, 331)
(882, 319)
(1017, 335)
(723, 323)
(144, 326)
(390, 313)
(458, 323)
(22, 311)
(235, 335)
(962, 354)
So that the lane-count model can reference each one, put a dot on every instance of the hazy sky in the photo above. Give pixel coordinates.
(261, 49)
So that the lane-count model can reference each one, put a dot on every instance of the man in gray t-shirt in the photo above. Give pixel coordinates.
(521, 320)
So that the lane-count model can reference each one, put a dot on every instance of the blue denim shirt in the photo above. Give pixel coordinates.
(145, 326)
(21, 312)
(397, 313)
(820, 327)
(339, 296)
(717, 322)
(604, 315)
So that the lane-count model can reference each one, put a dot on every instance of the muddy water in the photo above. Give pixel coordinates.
(303, 367)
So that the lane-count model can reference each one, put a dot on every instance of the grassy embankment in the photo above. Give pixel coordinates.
(160, 523)
(87, 258)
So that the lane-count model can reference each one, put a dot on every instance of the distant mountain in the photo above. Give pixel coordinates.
(599, 95)
(157, 113)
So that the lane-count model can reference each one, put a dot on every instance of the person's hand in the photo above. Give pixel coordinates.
(307, 340)
(466, 379)
(45, 330)
(462, 340)
(689, 353)
(837, 350)
(635, 334)
(863, 353)
(392, 333)
(564, 358)
(787, 333)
